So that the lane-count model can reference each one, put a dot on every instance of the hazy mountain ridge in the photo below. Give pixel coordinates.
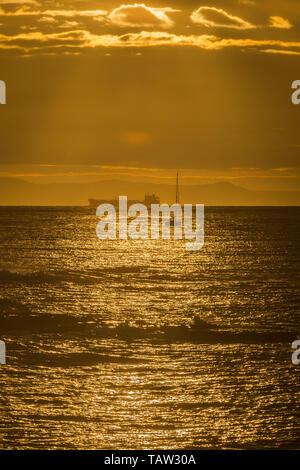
(15, 191)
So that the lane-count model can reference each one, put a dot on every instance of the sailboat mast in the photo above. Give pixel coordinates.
(177, 189)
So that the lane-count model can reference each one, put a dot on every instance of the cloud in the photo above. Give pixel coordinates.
(26, 11)
(280, 51)
(69, 24)
(279, 22)
(218, 18)
(72, 13)
(256, 43)
(139, 15)
(47, 19)
(14, 2)
(188, 174)
(80, 39)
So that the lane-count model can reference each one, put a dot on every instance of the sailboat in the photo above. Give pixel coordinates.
(177, 200)
(177, 189)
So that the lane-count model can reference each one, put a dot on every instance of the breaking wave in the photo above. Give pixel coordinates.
(16, 318)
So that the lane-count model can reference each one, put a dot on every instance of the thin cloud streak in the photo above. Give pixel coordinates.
(80, 39)
(110, 171)
(280, 51)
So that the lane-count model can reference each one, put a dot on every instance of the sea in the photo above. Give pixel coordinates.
(141, 344)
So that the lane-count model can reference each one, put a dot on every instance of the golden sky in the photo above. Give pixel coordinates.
(99, 89)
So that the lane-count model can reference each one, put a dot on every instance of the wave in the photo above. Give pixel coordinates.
(31, 277)
(87, 277)
(17, 319)
(82, 359)
(121, 274)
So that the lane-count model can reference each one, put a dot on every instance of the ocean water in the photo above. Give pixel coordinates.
(102, 352)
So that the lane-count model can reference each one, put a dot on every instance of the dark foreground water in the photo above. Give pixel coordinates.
(101, 349)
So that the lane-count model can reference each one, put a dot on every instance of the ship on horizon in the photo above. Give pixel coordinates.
(149, 199)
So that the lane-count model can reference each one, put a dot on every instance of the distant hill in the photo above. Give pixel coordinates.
(15, 191)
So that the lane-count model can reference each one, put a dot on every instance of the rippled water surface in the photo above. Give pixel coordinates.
(102, 352)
